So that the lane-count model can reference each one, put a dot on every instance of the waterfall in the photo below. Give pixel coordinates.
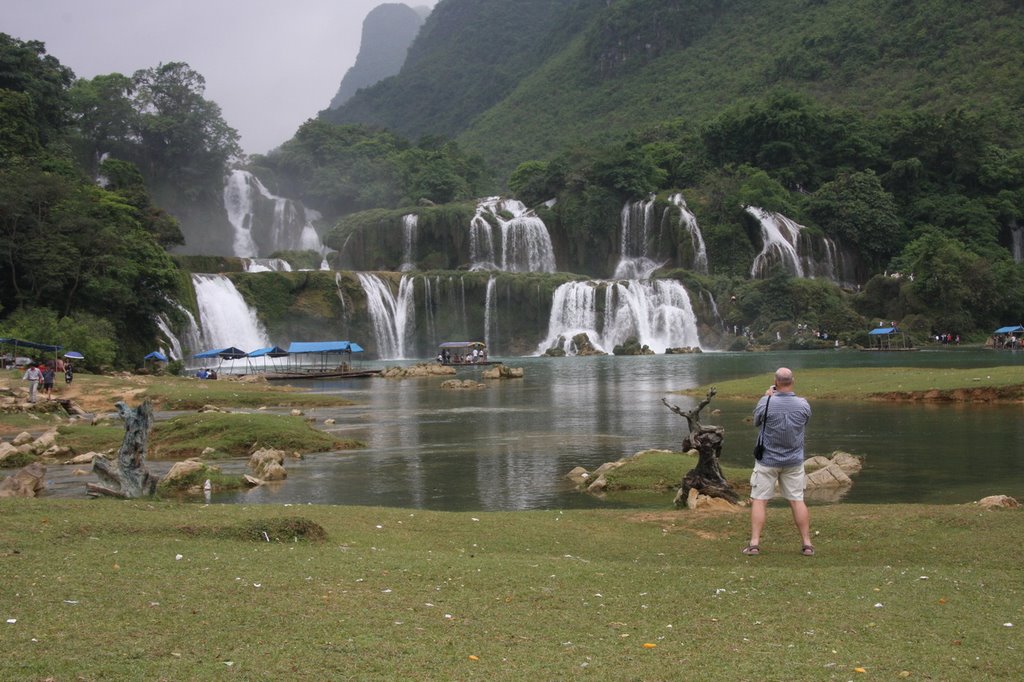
(193, 337)
(780, 236)
(658, 313)
(225, 318)
(785, 242)
(714, 309)
(1017, 237)
(636, 221)
(688, 220)
(238, 202)
(489, 304)
(290, 225)
(409, 224)
(393, 316)
(266, 265)
(525, 241)
(428, 307)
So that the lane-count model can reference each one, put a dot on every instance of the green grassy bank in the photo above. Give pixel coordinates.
(149, 590)
(894, 383)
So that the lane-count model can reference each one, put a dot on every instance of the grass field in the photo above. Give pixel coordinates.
(138, 590)
(894, 383)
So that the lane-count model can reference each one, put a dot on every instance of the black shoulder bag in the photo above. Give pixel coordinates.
(759, 445)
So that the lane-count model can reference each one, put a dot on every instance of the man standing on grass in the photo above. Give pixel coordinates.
(783, 416)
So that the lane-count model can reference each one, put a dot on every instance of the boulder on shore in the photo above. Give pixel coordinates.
(503, 372)
(267, 464)
(463, 385)
(26, 482)
(420, 370)
(998, 502)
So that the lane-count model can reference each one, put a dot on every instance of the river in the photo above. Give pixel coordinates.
(509, 446)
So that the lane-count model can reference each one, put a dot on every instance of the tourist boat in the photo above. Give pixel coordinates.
(464, 354)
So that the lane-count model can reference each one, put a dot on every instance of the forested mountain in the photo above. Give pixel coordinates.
(469, 56)
(556, 71)
(388, 30)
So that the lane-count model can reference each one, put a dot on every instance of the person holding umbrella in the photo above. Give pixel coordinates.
(69, 372)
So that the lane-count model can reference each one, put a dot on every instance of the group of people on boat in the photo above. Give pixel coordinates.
(468, 356)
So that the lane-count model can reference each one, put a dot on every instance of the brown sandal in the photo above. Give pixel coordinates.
(807, 550)
(751, 550)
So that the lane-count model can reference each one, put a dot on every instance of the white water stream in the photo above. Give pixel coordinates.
(227, 320)
(393, 315)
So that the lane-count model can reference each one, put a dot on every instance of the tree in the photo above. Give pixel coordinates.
(26, 68)
(857, 210)
(105, 118)
(184, 143)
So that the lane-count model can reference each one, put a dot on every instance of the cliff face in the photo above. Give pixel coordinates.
(388, 31)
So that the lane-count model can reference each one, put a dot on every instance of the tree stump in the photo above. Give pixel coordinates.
(128, 478)
(707, 440)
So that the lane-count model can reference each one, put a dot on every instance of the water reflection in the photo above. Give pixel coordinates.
(509, 446)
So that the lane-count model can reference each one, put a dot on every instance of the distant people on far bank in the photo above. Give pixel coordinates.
(69, 373)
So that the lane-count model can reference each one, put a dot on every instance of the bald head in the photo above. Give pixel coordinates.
(783, 378)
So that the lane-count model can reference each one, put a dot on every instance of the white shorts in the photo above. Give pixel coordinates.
(790, 480)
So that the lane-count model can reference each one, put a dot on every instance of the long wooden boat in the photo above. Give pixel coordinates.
(316, 374)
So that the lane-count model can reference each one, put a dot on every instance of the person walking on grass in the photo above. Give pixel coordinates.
(48, 381)
(33, 376)
(782, 417)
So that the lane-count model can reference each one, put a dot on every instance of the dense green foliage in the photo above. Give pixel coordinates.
(83, 265)
(341, 169)
(467, 57)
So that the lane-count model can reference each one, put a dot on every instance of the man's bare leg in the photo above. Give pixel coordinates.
(802, 519)
(758, 510)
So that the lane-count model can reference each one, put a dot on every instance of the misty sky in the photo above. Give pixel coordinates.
(269, 64)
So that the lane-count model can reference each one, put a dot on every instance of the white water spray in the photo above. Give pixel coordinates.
(525, 241)
(225, 317)
(393, 316)
(658, 313)
(409, 223)
(290, 227)
(688, 220)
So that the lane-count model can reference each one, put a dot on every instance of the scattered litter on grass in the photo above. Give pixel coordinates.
(859, 670)
(1007, 625)
(471, 656)
(257, 584)
(473, 518)
(879, 605)
(12, 621)
(649, 645)
(178, 557)
(70, 601)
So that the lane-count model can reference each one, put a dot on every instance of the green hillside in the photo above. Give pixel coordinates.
(469, 56)
(557, 72)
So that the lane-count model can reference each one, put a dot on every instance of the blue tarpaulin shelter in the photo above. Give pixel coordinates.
(881, 338)
(230, 353)
(156, 355)
(300, 347)
(18, 343)
(272, 351)
(1012, 329)
(324, 349)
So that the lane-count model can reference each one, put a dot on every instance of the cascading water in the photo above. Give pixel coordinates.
(636, 221)
(489, 311)
(688, 220)
(785, 243)
(290, 225)
(266, 265)
(393, 316)
(409, 224)
(525, 241)
(192, 334)
(226, 319)
(780, 236)
(658, 313)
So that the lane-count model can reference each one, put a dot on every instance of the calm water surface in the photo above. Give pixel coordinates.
(508, 447)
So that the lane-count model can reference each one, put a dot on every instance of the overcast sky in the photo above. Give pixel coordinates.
(269, 64)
